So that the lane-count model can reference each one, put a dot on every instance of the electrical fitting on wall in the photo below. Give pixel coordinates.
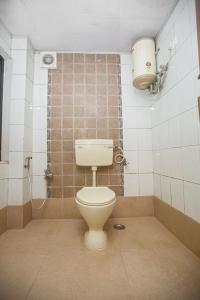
(48, 60)
(145, 72)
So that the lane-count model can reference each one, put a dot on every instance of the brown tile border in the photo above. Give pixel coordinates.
(19, 215)
(183, 227)
(14, 216)
(139, 206)
(57, 208)
(3, 219)
(84, 101)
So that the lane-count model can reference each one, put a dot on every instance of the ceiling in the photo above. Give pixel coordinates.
(85, 25)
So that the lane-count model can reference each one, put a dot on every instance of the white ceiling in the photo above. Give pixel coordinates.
(85, 25)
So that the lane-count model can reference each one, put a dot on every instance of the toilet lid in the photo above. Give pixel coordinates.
(95, 196)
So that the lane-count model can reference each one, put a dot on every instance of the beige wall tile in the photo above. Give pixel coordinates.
(83, 94)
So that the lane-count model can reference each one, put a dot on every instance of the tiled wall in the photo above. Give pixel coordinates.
(20, 122)
(84, 101)
(136, 110)
(176, 130)
(5, 46)
(39, 188)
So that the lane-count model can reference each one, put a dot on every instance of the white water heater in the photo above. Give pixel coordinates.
(144, 63)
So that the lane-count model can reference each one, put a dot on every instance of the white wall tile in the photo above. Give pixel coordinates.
(4, 170)
(192, 203)
(126, 74)
(143, 118)
(165, 162)
(145, 161)
(17, 108)
(172, 76)
(40, 95)
(156, 138)
(186, 93)
(191, 7)
(175, 114)
(39, 187)
(182, 27)
(27, 190)
(191, 163)
(3, 192)
(18, 87)
(128, 98)
(126, 59)
(16, 137)
(177, 194)
(164, 135)
(29, 90)
(194, 42)
(15, 194)
(39, 118)
(184, 66)
(19, 61)
(145, 139)
(130, 139)
(131, 186)
(16, 163)
(189, 127)
(39, 163)
(157, 186)
(40, 75)
(132, 160)
(156, 161)
(129, 117)
(165, 189)
(39, 140)
(174, 132)
(175, 163)
(145, 184)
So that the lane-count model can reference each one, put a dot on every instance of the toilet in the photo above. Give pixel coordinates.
(95, 203)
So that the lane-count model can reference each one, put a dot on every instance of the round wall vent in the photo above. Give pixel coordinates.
(48, 59)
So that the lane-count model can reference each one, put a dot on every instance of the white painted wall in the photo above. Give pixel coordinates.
(175, 120)
(137, 139)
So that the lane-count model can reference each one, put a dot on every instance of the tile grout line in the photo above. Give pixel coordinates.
(35, 278)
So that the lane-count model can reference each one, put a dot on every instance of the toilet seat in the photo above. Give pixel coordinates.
(95, 196)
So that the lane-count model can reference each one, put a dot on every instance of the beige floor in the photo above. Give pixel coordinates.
(47, 260)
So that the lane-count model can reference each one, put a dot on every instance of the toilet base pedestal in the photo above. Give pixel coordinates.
(95, 239)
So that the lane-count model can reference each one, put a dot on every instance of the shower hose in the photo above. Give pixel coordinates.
(30, 190)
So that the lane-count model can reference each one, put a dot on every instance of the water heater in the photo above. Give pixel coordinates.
(144, 63)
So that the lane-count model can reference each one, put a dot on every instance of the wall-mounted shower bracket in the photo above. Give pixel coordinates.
(27, 162)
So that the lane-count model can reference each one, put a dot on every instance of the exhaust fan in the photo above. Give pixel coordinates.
(48, 60)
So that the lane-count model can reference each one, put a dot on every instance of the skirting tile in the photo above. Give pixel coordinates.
(57, 208)
(140, 206)
(183, 227)
(18, 215)
(14, 216)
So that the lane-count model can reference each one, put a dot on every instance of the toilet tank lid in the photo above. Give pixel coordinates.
(94, 142)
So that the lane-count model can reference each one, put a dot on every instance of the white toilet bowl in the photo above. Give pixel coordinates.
(95, 205)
